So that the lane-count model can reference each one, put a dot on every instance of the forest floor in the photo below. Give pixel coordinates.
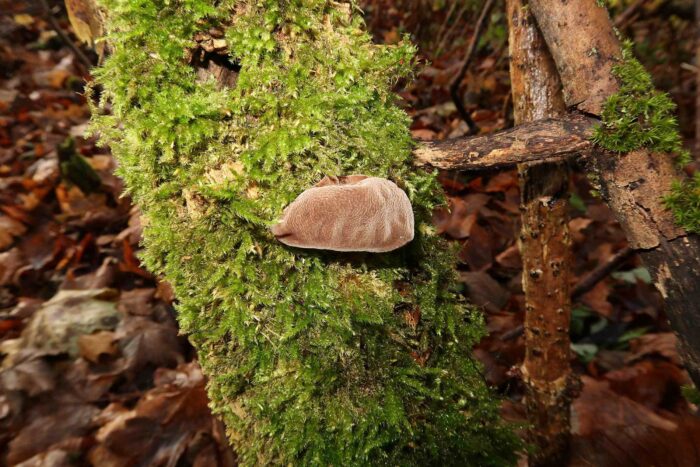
(94, 371)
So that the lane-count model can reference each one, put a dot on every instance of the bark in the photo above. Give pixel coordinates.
(584, 46)
(550, 139)
(632, 184)
(544, 247)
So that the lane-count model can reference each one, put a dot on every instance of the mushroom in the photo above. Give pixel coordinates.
(352, 213)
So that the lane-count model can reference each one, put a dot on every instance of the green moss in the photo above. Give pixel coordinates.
(639, 116)
(310, 358)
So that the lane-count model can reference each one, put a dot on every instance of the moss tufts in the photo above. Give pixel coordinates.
(313, 358)
(640, 116)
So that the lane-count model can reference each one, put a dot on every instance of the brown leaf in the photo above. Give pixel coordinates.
(64, 421)
(614, 431)
(85, 19)
(577, 226)
(164, 423)
(10, 262)
(145, 342)
(510, 258)
(51, 458)
(664, 344)
(97, 346)
(502, 182)
(477, 250)
(9, 229)
(137, 302)
(457, 221)
(649, 382)
(597, 299)
(484, 291)
(28, 374)
(423, 134)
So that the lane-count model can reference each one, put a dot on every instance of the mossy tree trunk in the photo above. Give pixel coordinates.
(221, 114)
(544, 247)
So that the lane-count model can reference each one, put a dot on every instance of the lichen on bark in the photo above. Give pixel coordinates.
(313, 358)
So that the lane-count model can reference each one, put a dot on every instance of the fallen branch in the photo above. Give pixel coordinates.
(545, 249)
(600, 272)
(545, 140)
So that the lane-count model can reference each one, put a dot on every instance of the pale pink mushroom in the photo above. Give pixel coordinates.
(353, 213)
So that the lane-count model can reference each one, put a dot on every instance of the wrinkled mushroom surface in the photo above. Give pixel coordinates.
(353, 213)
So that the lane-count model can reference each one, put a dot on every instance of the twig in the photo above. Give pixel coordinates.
(457, 80)
(600, 272)
(450, 31)
(87, 63)
(623, 18)
(443, 26)
(584, 285)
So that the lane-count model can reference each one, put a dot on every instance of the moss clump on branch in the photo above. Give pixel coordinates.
(313, 358)
(639, 116)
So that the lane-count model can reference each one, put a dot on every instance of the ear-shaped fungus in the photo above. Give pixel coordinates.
(353, 213)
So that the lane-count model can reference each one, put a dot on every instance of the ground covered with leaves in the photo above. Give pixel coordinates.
(94, 371)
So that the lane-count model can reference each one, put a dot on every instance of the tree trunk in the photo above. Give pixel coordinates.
(313, 357)
(544, 246)
(584, 47)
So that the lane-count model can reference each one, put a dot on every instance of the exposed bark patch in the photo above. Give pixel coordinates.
(634, 185)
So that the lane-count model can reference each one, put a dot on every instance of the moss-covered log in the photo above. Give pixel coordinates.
(313, 358)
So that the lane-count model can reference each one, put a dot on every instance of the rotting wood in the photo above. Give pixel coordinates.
(550, 139)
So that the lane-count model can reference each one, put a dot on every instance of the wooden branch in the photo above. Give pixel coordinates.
(545, 248)
(580, 36)
(82, 58)
(539, 141)
(633, 184)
